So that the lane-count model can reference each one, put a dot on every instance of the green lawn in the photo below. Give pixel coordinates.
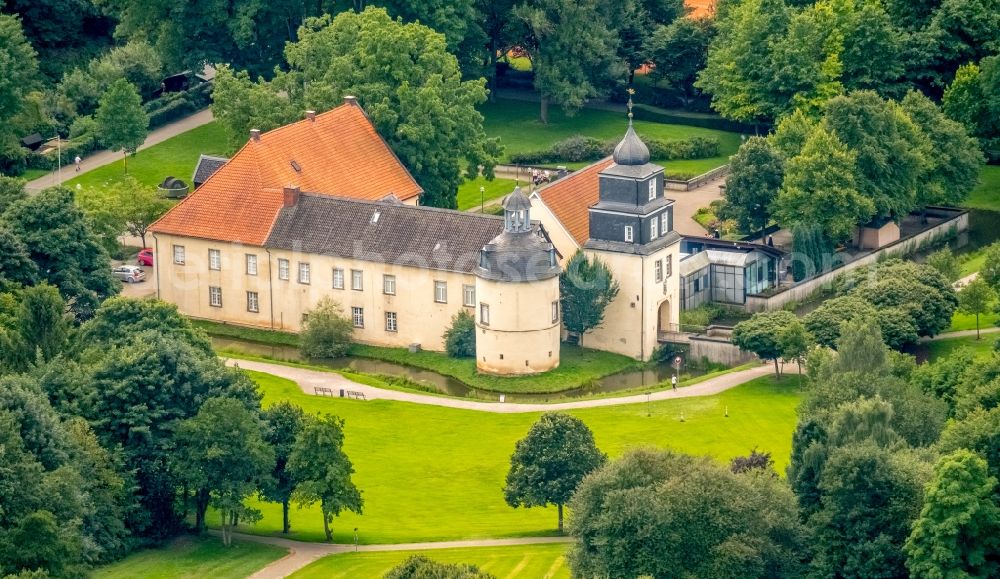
(194, 558)
(986, 195)
(982, 348)
(175, 157)
(528, 562)
(960, 321)
(430, 473)
(32, 174)
(469, 196)
(517, 125)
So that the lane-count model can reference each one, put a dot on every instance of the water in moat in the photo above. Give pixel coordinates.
(630, 380)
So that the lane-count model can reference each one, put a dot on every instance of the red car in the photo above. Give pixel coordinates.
(145, 257)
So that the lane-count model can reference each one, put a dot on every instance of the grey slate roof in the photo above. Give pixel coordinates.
(631, 150)
(516, 201)
(423, 237)
(206, 167)
(519, 256)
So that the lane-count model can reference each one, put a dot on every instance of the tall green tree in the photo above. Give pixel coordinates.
(120, 318)
(16, 267)
(679, 51)
(971, 100)
(550, 461)
(222, 454)
(409, 85)
(18, 75)
(122, 123)
(756, 172)
(586, 287)
(976, 298)
(322, 471)
(43, 321)
(761, 335)
(283, 423)
(572, 46)
(958, 532)
(11, 191)
(795, 342)
(820, 188)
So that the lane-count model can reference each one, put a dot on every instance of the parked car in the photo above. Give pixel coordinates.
(129, 273)
(145, 257)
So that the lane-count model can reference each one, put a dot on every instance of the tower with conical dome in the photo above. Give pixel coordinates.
(631, 229)
(518, 321)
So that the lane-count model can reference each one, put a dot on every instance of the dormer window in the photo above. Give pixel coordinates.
(652, 189)
(628, 234)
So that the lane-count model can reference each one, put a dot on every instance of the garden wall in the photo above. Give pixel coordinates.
(958, 223)
(695, 182)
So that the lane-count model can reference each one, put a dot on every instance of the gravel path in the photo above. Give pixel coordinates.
(308, 380)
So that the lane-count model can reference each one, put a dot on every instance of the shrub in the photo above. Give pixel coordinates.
(84, 125)
(421, 567)
(946, 263)
(578, 149)
(326, 331)
(460, 337)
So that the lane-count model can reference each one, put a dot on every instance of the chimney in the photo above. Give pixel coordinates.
(311, 115)
(255, 135)
(350, 100)
(291, 196)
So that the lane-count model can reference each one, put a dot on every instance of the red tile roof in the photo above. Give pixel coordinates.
(337, 154)
(570, 197)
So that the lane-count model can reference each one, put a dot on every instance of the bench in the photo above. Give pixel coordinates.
(354, 394)
(323, 391)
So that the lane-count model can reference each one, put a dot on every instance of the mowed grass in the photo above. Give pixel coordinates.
(469, 196)
(982, 348)
(193, 558)
(960, 321)
(176, 157)
(429, 473)
(986, 195)
(520, 131)
(526, 561)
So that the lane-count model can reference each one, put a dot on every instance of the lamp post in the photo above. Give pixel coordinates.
(59, 156)
(482, 199)
(355, 539)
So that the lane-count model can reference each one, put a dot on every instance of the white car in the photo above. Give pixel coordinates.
(129, 273)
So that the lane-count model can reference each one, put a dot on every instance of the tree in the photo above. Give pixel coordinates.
(326, 331)
(820, 189)
(976, 298)
(970, 101)
(122, 123)
(460, 337)
(43, 321)
(322, 470)
(64, 250)
(958, 532)
(761, 335)
(795, 342)
(756, 460)
(946, 263)
(978, 431)
(658, 514)
(756, 172)
(586, 287)
(409, 85)
(825, 321)
(421, 567)
(990, 272)
(222, 454)
(16, 267)
(924, 296)
(550, 461)
(11, 191)
(137, 205)
(680, 50)
(572, 45)
(283, 424)
(18, 75)
(120, 318)
(635, 22)
(952, 170)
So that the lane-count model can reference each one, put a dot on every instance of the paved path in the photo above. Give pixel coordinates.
(963, 333)
(965, 280)
(308, 380)
(101, 158)
(301, 553)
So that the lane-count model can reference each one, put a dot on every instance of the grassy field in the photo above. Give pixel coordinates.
(430, 473)
(469, 195)
(32, 174)
(986, 195)
(517, 125)
(175, 157)
(528, 562)
(961, 321)
(193, 558)
(982, 348)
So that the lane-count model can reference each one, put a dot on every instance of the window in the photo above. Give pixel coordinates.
(214, 259)
(358, 315)
(304, 272)
(441, 292)
(282, 269)
(658, 268)
(253, 303)
(484, 314)
(338, 278)
(664, 225)
(670, 265)
(653, 231)
(628, 233)
(390, 321)
(555, 312)
(389, 285)
(215, 296)
(652, 189)
(469, 296)
(357, 280)
(251, 264)
(179, 254)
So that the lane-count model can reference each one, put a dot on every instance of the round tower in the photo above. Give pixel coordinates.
(518, 318)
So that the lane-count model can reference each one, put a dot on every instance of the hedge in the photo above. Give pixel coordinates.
(578, 149)
(173, 106)
(646, 113)
(79, 146)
